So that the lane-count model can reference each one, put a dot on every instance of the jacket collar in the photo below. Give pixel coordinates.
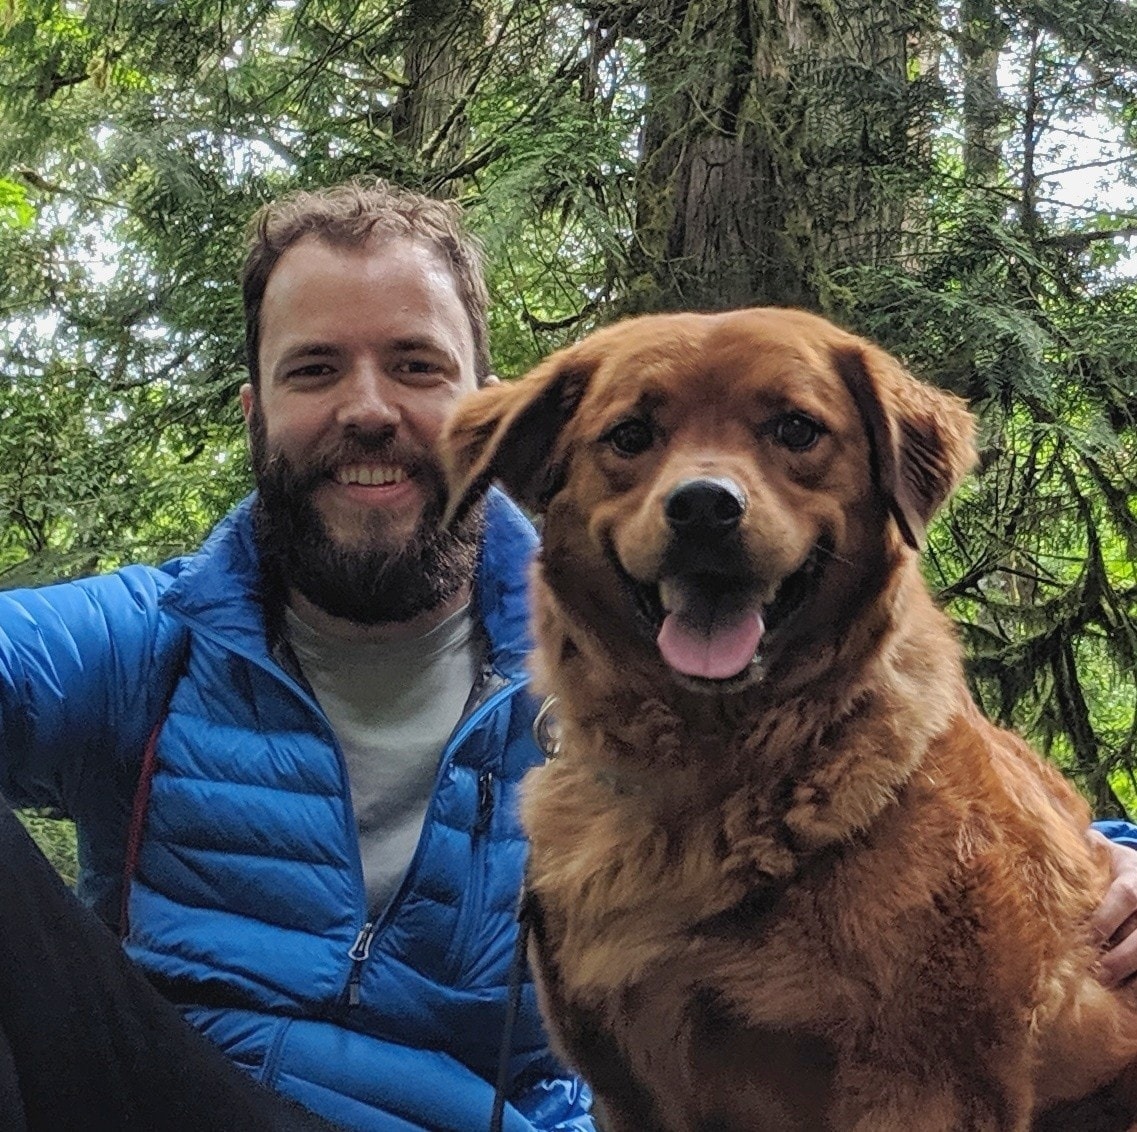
(222, 588)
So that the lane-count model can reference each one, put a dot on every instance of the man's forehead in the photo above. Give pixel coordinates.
(378, 245)
(353, 274)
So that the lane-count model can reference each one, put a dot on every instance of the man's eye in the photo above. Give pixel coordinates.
(797, 432)
(419, 367)
(630, 438)
(313, 369)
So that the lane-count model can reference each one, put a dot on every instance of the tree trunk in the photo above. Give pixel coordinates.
(981, 37)
(776, 134)
(443, 42)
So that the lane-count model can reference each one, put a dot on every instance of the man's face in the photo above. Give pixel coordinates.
(363, 352)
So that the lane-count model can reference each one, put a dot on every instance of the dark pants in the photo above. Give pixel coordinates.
(86, 1042)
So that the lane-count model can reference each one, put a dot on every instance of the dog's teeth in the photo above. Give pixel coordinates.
(668, 595)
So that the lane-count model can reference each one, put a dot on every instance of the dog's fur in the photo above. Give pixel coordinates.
(821, 892)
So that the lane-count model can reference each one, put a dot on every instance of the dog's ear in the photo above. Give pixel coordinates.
(921, 439)
(509, 431)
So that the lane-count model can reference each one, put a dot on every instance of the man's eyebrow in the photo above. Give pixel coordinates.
(308, 350)
(411, 344)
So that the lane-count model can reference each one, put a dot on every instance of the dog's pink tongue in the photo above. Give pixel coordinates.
(717, 653)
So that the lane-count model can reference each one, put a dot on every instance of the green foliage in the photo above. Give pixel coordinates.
(56, 840)
(925, 173)
(16, 210)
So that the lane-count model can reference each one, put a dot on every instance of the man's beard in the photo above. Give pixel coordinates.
(372, 582)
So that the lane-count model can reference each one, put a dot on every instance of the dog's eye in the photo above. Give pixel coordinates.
(797, 431)
(630, 438)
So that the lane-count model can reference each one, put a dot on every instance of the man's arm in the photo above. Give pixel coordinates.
(83, 668)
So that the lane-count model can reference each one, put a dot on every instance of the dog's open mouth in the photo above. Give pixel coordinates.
(710, 626)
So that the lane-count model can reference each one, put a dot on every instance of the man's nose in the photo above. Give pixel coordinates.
(370, 399)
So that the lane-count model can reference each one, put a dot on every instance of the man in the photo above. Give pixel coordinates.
(321, 834)
(321, 842)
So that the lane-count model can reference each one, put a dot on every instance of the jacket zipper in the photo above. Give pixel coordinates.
(479, 837)
(485, 802)
(361, 949)
(358, 954)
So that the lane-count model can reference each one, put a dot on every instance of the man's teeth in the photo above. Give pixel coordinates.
(370, 474)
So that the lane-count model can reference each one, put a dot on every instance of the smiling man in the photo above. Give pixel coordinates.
(300, 746)
(362, 352)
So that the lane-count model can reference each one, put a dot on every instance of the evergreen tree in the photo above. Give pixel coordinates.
(906, 169)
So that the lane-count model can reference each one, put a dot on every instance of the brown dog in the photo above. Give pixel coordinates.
(785, 876)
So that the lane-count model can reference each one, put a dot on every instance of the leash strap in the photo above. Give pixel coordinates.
(513, 1006)
(547, 736)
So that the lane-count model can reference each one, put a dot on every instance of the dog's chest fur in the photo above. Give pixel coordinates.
(737, 975)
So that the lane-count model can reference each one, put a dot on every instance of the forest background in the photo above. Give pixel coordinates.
(957, 180)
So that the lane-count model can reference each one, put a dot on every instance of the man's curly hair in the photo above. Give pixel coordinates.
(350, 215)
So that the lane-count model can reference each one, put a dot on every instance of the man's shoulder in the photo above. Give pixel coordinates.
(507, 523)
(509, 543)
(502, 587)
(222, 581)
(136, 593)
(136, 585)
(86, 650)
(121, 611)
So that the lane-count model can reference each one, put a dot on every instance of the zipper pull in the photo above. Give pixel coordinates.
(362, 946)
(485, 801)
(358, 954)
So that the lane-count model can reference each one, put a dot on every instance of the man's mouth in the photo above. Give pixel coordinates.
(710, 626)
(370, 475)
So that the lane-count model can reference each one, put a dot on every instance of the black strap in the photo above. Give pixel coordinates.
(513, 1006)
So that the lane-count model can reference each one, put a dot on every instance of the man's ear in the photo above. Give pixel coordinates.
(248, 397)
(509, 431)
(921, 439)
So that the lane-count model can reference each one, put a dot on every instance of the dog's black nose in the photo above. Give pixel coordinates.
(710, 506)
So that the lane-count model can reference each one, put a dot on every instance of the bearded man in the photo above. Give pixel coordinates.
(292, 757)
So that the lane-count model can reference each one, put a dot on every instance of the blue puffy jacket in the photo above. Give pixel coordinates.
(248, 903)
